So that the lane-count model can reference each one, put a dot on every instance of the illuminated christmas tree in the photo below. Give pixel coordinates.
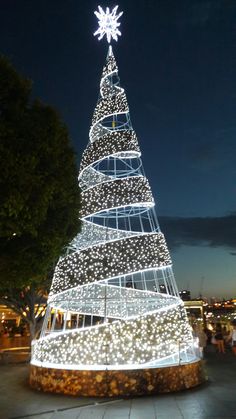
(114, 303)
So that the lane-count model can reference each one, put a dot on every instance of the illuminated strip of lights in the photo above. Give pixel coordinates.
(111, 259)
(178, 304)
(129, 338)
(116, 193)
(161, 363)
(160, 268)
(110, 144)
(129, 303)
(107, 107)
(93, 234)
(92, 177)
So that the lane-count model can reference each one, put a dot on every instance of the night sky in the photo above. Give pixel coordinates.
(177, 62)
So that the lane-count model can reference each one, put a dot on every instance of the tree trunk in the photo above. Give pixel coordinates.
(32, 329)
(27, 303)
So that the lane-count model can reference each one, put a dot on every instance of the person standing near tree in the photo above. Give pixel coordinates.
(219, 339)
(199, 333)
(232, 338)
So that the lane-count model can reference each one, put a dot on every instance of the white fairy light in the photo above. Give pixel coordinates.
(108, 23)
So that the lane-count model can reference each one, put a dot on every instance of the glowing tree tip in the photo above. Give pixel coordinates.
(108, 23)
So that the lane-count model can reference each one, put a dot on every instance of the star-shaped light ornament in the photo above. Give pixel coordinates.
(108, 24)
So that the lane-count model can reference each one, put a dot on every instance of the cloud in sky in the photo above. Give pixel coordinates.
(200, 231)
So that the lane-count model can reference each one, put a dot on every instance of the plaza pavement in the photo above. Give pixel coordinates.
(213, 400)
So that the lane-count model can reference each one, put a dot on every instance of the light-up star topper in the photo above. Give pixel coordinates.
(108, 24)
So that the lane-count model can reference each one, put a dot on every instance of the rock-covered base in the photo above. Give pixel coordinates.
(113, 383)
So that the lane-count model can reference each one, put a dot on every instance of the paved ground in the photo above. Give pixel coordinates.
(214, 400)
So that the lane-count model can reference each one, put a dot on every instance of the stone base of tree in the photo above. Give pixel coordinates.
(112, 383)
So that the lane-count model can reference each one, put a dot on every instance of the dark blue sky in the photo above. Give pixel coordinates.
(177, 62)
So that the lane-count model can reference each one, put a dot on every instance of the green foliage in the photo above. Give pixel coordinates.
(39, 193)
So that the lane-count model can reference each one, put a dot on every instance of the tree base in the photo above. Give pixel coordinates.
(113, 383)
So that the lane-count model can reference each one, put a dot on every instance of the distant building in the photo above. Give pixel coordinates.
(222, 310)
(185, 295)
